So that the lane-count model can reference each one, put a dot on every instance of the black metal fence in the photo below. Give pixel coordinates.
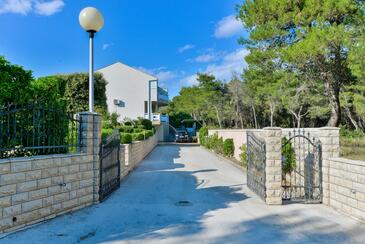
(37, 130)
(256, 165)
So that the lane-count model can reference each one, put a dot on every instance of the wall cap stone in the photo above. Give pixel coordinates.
(272, 128)
(348, 161)
(329, 128)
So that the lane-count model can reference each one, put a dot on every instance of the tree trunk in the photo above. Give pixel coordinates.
(218, 118)
(353, 121)
(241, 119)
(254, 115)
(333, 91)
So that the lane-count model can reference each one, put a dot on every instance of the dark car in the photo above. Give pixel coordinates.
(181, 135)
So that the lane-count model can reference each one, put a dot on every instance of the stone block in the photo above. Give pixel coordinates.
(71, 178)
(49, 172)
(5, 202)
(74, 168)
(86, 199)
(19, 198)
(61, 197)
(12, 211)
(6, 223)
(63, 170)
(32, 205)
(42, 163)
(41, 193)
(33, 175)
(45, 211)
(56, 208)
(25, 165)
(56, 180)
(4, 168)
(12, 178)
(43, 183)
(86, 183)
(70, 204)
(7, 190)
(54, 190)
(27, 186)
(48, 201)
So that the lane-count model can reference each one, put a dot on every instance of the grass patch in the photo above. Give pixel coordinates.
(352, 145)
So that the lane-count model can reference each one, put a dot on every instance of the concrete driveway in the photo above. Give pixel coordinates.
(185, 194)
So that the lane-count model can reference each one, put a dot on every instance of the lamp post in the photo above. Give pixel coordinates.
(92, 21)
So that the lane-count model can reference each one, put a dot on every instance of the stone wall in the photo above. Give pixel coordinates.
(135, 152)
(347, 186)
(38, 188)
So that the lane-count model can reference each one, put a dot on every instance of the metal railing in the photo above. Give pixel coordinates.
(37, 130)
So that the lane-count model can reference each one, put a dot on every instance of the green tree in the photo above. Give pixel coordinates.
(15, 84)
(312, 38)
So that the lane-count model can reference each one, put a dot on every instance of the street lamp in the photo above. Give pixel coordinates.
(92, 21)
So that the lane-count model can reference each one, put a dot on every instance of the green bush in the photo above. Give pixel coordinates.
(105, 133)
(137, 130)
(126, 129)
(126, 138)
(288, 155)
(148, 133)
(243, 155)
(138, 136)
(147, 124)
(106, 124)
(228, 147)
(203, 135)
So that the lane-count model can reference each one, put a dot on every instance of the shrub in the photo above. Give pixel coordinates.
(105, 133)
(288, 156)
(138, 136)
(126, 129)
(106, 124)
(243, 155)
(148, 133)
(203, 134)
(228, 147)
(147, 124)
(136, 130)
(125, 138)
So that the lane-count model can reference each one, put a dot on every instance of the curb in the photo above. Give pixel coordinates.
(224, 159)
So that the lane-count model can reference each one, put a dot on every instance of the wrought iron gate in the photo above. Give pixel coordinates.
(109, 165)
(256, 164)
(302, 168)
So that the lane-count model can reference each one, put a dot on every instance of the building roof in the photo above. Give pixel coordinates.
(149, 76)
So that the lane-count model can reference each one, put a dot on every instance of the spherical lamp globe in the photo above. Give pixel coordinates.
(91, 19)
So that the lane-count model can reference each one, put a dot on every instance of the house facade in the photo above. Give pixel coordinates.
(132, 93)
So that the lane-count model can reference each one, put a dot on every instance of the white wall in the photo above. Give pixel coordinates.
(129, 85)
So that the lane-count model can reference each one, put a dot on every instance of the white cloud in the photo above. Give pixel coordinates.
(227, 27)
(161, 73)
(185, 48)
(229, 64)
(25, 7)
(48, 8)
(107, 45)
(205, 58)
(16, 6)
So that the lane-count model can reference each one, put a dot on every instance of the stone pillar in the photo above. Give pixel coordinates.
(330, 140)
(90, 131)
(272, 138)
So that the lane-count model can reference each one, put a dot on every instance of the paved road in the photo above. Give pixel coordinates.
(216, 207)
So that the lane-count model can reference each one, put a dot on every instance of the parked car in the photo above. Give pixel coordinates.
(182, 135)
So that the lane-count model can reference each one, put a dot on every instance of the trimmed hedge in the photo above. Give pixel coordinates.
(228, 148)
(126, 138)
(243, 155)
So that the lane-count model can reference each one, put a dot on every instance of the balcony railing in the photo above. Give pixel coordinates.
(158, 118)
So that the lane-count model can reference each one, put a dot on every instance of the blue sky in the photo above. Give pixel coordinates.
(171, 39)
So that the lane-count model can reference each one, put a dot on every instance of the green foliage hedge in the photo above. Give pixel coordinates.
(243, 155)
(288, 156)
(126, 138)
(228, 148)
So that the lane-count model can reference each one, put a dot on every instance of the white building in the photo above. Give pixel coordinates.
(129, 91)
